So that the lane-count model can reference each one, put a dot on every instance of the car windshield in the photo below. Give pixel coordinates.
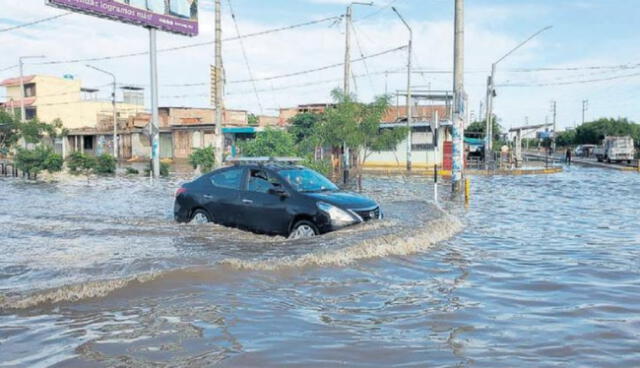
(306, 180)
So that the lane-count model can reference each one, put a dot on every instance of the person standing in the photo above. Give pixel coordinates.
(568, 157)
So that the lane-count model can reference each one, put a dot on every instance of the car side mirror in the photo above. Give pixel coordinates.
(279, 191)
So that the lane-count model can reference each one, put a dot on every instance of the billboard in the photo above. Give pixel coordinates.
(175, 16)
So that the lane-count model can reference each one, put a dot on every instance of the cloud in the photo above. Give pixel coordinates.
(81, 36)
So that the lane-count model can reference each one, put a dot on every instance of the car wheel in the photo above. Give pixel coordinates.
(200, 217)
(303, 229)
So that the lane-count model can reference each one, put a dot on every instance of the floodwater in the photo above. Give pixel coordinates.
(538, 271)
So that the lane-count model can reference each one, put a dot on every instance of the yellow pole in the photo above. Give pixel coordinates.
(467, 189)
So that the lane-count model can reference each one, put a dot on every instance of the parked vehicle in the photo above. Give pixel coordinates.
(585, 150)
(616, 149)
(272, 196)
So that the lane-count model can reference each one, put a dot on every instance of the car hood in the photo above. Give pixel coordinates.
(344, 199)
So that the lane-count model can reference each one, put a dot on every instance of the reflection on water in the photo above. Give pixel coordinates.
(543, 273)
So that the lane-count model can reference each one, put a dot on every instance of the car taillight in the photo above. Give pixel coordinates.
(180, 191)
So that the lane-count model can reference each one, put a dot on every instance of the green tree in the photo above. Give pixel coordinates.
(9, 132)
(37, 160)
(302, 126)
(477, 129)
(34, 130)
(595, 131)
(358, 126)
(271, 143)
(252, 120)
(204, 158)
(566, 138)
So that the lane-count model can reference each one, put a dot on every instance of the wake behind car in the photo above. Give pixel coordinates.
(272, 196)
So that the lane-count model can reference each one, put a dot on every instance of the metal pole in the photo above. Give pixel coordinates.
(458, 88)
(115, 112)
(218, 87)
(555, 129)
(115, 121)
(347, 51)
(22, 95)
(154, 126)
(23, 114)
(409, 95)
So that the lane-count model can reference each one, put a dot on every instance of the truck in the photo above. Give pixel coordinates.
(616, 149)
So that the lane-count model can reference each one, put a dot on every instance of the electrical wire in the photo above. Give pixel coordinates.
(244, 55)
(326, 67)
(34, 22)
(570, 82)
(364, 62)
(176, 48)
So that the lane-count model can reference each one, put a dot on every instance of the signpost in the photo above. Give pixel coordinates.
(174, 16)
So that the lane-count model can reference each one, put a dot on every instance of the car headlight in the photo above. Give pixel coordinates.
(338, 216)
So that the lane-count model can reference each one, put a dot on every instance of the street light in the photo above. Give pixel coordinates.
(115, 114)
(347, 77)
(491, 92)
(409, 95)
(22, 94)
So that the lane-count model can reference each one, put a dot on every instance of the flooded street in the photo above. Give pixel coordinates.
(538, 271)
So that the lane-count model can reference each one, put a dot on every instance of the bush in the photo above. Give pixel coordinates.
(203, 157)
(39, 159)
(322, 166)
(132, 171)
(270, 143)
(78, 163)
(105, 164)
(164, 169)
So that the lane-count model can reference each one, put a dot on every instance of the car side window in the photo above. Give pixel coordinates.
(230, 179)
(260, 182)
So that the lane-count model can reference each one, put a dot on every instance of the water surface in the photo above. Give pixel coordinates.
(539, 271)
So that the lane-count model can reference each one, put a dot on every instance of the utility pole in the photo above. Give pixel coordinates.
(585, 107)
(347, 78)
(154, 129)
(23, 114)
(491, 93)
(457, 130)
(409, 95)
(115, 113)
(218, 87)
(554, 110)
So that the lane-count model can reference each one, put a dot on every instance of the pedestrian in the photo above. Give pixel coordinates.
(568, 157)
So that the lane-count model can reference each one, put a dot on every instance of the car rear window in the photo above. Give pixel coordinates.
(230, 179)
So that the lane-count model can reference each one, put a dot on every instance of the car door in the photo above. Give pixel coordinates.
(264, 211)
(223, 197)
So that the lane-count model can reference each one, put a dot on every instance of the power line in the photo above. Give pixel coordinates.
(571, 82)
(200, 44)
(364, 62)
(8, 68)
(244, 55)
(35, 22)
(308, 71)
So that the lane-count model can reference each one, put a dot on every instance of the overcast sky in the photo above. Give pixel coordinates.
(585, 34)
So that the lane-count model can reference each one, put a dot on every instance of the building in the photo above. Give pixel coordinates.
(425, 153)
(48, 98)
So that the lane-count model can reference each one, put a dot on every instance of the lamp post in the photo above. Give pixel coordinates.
(491, 93)
(347, 77)
(23, 116)
(409, 95)
(115, 113)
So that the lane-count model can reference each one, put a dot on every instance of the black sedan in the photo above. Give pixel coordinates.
(272, 198)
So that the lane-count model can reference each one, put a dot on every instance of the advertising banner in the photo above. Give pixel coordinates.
(175, 16)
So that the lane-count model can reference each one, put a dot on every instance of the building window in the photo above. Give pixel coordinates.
(30, 113)
(30, 90)
(88, 142)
